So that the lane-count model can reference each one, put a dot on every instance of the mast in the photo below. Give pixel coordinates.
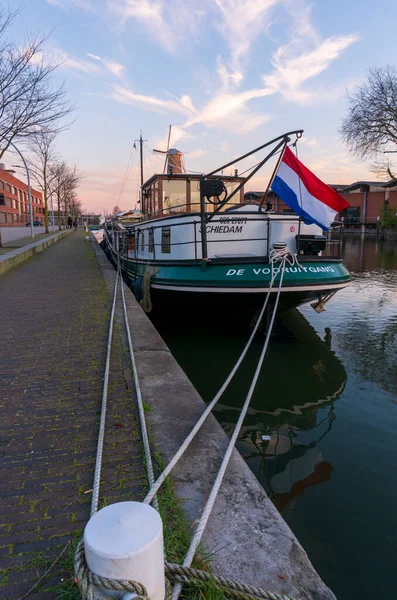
(141, 155)
(141, 160)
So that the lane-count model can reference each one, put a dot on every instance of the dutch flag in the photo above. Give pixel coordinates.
(309, 197)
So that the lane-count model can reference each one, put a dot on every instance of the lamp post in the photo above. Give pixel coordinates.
(52, 212)
(29, 193)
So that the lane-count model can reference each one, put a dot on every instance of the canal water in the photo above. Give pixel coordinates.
(321, 432)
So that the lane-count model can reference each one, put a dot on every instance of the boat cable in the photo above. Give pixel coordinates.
(128, 168)
(275, 154)
(225, 461)
(141, 410)
(273, 257)
(101, 434)
(179, 574)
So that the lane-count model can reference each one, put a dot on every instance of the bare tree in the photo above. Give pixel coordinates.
(29, 101)
(44, 155)
(65, 180)
(116, 210)
(370, 127)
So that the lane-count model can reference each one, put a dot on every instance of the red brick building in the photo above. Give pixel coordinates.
(14, 201)
(367, 200)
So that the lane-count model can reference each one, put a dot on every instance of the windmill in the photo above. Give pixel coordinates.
(174, 162)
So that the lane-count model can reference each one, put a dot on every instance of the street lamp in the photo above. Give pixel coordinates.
(29, 194)
(52, 211)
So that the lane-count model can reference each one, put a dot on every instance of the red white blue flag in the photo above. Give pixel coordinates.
(309, 197)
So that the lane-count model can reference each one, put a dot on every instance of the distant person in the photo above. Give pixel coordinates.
(70, 222)
(75, 224)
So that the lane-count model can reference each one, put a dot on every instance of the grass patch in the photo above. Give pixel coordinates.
(177, 536)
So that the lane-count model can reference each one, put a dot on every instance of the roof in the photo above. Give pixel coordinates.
(191, 176)
(368, 184)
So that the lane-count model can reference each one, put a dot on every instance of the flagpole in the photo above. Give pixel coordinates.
(280, 158)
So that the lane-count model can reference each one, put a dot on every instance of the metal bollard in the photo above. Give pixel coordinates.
(125, 541)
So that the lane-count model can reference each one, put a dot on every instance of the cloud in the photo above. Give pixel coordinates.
(242, 23)
(230, 110)
(224, 110)
(125, 95)
(113, 67)
(168, 22)
(95, 66)
(292, 69)
(303, 58)
(85, 5)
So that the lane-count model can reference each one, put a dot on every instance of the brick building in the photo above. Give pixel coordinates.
(367, 200)
(14, 201)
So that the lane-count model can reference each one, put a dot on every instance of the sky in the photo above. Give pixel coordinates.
(228, 75)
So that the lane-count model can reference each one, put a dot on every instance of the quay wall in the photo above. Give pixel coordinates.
(247, 536)
(19, 255)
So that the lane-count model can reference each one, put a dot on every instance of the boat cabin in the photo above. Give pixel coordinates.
(178, 193)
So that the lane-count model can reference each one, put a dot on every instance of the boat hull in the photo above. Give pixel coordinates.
(234, 283)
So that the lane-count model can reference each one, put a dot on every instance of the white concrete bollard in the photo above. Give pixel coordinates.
(125, 541)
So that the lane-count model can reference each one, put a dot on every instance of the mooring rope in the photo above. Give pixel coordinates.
(175, 574)
(178, 574)
(225, 461)
(185, 444)
(141, 411)
(101, 434)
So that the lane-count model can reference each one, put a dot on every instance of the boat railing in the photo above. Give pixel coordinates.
(315, 247)
(181, 209)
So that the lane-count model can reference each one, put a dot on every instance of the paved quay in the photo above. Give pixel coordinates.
(55, 314)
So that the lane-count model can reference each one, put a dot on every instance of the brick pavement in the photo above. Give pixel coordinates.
(54, 313)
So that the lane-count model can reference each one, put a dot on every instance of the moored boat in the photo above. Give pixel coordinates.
(196, 240)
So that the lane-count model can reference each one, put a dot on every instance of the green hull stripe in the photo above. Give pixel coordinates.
(241, 275)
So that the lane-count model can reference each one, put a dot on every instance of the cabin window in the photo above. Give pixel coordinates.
(131, 242)
(142, 241)
(151, 240)
(156, 203)
(195, 195)
(211, 206)
(231, 186)
(174, 196)
(166, 240)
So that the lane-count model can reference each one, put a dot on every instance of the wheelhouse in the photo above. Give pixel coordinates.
(179, 193)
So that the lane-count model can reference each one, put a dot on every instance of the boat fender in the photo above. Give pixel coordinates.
(136, 288)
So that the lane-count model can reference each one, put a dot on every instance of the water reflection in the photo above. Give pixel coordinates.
(294, 406)
(327, 402)
(368, 336)
(293, 402)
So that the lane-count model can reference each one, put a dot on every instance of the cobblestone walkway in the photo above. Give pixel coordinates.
(54, 313)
